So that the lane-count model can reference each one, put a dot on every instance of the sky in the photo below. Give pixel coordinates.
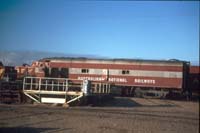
(113, 29)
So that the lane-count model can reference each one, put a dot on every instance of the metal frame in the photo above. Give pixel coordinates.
(36, 87)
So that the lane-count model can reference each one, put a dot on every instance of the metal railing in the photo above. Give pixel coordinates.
(36, 87)
(51, 84)
(43, 88)
(100, 88)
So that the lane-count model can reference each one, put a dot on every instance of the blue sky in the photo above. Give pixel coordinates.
(114, 29)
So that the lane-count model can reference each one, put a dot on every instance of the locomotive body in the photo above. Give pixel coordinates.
(126, 75)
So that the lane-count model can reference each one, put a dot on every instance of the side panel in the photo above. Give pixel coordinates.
(134, 81)
(157, 74)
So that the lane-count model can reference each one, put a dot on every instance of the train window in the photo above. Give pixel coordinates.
(85, 70)
(64, 73)
(125, 71)
(54, 72)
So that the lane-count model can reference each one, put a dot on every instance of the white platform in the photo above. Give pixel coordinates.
(52, 100)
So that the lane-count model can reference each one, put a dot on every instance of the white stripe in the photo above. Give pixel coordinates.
(139, 73)
(91, 71)
(165, 74)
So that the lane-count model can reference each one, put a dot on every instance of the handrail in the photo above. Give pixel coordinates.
(39, 88)
(44, 83)
(52, 78)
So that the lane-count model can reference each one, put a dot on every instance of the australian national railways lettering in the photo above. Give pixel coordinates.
(122, 80)
(145, 81)
(103, 79)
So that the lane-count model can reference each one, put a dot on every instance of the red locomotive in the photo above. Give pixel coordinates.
(128, 76)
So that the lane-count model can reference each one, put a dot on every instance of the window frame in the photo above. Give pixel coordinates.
(84, 70)
(125, 72)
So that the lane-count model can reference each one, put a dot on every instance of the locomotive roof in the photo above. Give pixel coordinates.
(114, 59)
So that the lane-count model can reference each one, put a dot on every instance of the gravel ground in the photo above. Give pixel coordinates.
(121, 115)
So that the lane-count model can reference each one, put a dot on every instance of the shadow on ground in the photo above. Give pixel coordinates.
(120, 102)
(24, 130)
(130, 102)
(32, 130)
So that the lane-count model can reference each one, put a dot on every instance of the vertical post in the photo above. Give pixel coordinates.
(103, 88)
(95, 88)
(106, 89)
(57, 85)
(66, 89)
(39, 84)
(109, 88)
(99, 87)
(45, 84)
(31, 82)
(63, 86)
(66, 86)
(85, 87)
(52, 86)
(24, 81)
(39, 88)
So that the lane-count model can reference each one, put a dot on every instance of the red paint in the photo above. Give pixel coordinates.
(194, 79)
(159, 82)
(195, 69)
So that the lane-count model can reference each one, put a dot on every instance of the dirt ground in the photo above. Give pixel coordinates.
(121, 115)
